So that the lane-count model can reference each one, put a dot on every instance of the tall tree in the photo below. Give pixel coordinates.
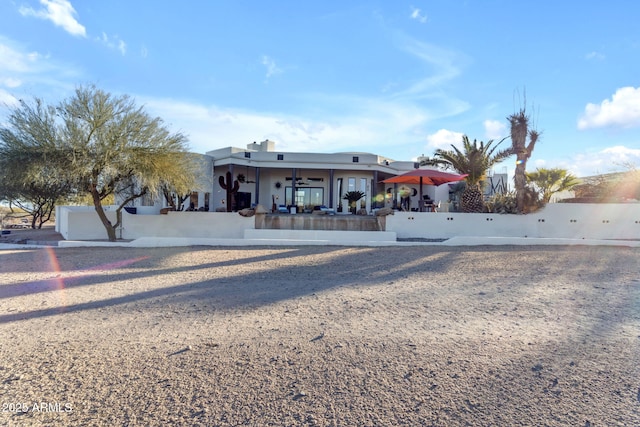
(104, 145)
(475, 159)
(551, 181)
(27, 177)
(520, 131)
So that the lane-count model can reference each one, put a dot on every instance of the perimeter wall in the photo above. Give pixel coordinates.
(556, 220)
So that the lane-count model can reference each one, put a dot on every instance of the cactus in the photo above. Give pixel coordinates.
(231, 189)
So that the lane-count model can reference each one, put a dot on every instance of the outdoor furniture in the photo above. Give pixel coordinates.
(422, 177)
(430, 206)
(323, 209)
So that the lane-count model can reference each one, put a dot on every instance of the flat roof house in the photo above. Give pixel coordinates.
(275, 178)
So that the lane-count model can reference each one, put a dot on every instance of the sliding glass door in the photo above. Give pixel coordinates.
(306, 197)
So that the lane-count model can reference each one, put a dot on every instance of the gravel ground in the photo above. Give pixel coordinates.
(47, 235)
(320, 336)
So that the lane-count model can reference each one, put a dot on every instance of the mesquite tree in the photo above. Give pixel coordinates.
(103, 145)
(28, 179)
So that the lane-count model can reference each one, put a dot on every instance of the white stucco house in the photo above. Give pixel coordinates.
(284, 180)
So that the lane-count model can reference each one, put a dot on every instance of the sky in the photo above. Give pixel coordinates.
(394, 78)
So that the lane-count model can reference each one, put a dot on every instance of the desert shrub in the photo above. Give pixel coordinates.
(506, 203)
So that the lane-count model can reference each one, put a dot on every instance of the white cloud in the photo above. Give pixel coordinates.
(623, 110)
(10, 82)
(16, 66)
(418, 16)
(377, 127)
(495, 129)
(6, 99)
(607, 160)
(25, 73)
(60, 12)
(595, 56)
(13, 61)
(443, 139)
(621, 155)
(441, 67)
(391, 125)
(270, 65)
(113, 43)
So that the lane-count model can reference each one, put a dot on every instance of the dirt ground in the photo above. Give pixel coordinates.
(320, 336)
(47, 234)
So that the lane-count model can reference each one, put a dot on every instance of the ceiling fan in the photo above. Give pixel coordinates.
(243, 178)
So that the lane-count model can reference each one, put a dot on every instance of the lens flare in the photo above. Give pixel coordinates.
(57, 283)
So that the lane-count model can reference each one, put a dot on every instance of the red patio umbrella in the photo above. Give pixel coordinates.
(425, 176)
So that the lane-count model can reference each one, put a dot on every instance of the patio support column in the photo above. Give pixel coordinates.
(331, 188)
(233, 199)
(421, 202)
(200, 200)
(293, 188)
(395, 196)
(374, 190)
(257, 185)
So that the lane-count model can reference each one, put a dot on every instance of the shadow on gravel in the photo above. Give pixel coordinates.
(294, 275)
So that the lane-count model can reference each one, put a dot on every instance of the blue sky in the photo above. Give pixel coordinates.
(397, 78)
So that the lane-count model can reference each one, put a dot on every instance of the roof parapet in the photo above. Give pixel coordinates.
(265, 145)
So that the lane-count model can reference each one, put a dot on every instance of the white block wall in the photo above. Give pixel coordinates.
(561, 220)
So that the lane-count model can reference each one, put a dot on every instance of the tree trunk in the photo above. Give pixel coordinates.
(520, 182)
(97, 203)
(472, 200)
(519, 132)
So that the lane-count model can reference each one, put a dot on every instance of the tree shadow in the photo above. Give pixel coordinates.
(247, 289)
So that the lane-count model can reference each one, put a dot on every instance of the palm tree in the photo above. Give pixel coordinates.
(353, 197)
(475, 159)
(551, 181)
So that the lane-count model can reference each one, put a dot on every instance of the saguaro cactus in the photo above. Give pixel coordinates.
(231, 189)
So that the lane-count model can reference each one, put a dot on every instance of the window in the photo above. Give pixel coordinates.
(356, 159)
(351, 184)
(306, 198)
(280, 156)
(247, 154)
(363, 188)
